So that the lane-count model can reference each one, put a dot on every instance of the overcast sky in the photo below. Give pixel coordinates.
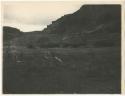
(30, 16)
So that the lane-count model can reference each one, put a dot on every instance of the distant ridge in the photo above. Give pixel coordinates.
(91, 25)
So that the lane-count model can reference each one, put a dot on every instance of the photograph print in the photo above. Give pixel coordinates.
(61, 48)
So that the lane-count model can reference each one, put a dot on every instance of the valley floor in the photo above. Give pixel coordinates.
(62, 70)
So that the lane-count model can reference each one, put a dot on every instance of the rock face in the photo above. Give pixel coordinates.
(90, 26)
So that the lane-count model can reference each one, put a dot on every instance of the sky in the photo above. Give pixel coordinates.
(35, 16)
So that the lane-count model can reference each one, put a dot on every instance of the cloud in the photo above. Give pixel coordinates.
(37, 13)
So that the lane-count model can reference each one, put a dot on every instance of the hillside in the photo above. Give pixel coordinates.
(10, 33)
(91, 25)
(88, 26)
(79, 53)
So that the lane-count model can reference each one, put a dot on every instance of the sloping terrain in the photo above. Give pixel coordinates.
(89, 26)
(10, 33)
(78, 53)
